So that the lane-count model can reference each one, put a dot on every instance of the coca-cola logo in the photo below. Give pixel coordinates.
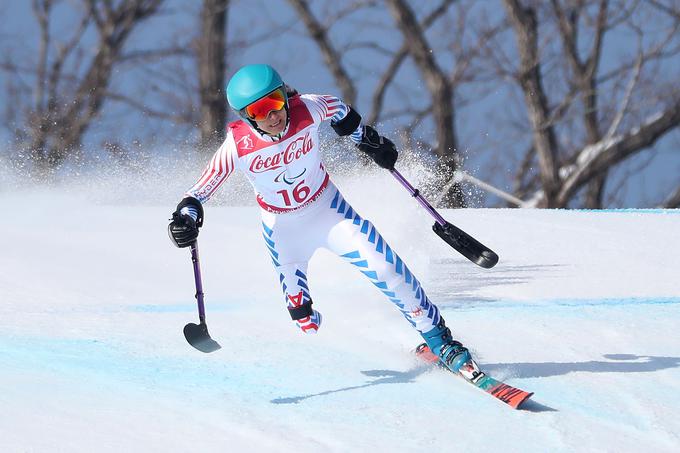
(295, 150)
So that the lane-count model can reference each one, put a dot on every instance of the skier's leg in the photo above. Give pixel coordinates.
(290, 256)
(293, 279)
(356, 240)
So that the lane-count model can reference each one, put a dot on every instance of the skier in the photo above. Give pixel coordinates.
(276, 145)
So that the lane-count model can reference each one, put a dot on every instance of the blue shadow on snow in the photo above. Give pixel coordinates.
(618, 363)
(383, 377)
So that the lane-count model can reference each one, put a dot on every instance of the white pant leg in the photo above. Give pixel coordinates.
(291, 240)
(357, 241)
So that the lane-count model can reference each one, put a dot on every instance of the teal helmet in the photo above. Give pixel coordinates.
(250, 83)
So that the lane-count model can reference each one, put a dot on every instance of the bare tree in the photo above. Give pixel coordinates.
(211, 69)
(189, 79)
(397, 60)
(66, 102)
(585, 74)
(573, 119)
(568, 166)
(525, 23)
(440, 109)
(597, 158)
(441, 93)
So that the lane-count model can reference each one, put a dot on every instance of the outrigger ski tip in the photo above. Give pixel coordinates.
(466, 245)
(508, 394)
(462, 242)
(197, 335)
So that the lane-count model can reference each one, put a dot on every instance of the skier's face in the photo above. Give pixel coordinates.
(275, 122)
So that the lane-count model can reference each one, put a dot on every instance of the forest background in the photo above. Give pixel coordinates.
(553, 103)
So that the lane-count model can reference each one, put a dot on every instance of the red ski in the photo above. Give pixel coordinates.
(510, 395)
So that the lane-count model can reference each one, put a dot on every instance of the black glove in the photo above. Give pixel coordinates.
(183, 230)
(381, 149)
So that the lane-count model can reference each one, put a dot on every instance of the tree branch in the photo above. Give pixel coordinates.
(626, 100)
(597, 158)
(397, 60)
(156, 54)
(671, 11)
(330, 55)
(147, 111)
(41, 10)
(64, 51)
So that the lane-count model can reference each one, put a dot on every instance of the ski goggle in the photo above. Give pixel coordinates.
(259, 109)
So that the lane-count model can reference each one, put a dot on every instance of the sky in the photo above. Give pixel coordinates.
(297, 58)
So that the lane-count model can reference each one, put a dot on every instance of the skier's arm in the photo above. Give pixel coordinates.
(347, 121)
(216, 172)
(188, 216)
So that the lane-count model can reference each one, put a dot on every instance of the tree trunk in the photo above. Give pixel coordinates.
(441, 94)
(585, 73)
(211, 68)
(526, 32)
(70, 114)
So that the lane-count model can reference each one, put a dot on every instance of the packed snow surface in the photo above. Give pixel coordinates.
(583, 309)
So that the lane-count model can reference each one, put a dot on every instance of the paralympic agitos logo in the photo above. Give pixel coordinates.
(295, 150)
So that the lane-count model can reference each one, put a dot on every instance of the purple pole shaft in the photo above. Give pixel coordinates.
(416, 194)
(199, 284)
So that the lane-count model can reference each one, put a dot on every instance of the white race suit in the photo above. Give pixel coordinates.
(296, 195)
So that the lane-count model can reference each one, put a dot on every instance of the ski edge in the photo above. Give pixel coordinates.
(512, 396)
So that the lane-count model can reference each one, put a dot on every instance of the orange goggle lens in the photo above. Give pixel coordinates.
(259, 109)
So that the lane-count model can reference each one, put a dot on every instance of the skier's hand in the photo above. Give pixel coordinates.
(183, 229)
(379, 148)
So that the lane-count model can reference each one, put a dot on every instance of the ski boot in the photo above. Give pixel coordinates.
(452, 354)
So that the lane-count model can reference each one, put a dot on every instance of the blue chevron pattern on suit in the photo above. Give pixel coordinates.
(380, 246)
(299, 286)
(302, 284)
(267, 234)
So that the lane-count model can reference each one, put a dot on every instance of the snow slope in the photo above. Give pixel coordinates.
(583, 309)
